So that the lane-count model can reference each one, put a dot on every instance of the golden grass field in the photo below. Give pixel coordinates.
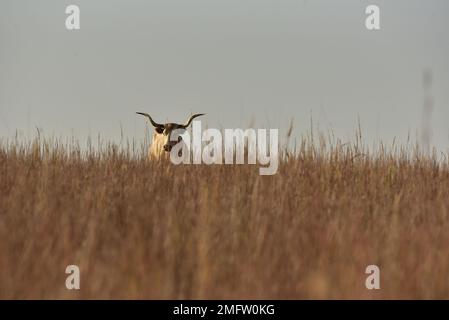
(154, 230)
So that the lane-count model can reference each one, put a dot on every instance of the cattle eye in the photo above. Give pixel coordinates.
(159, 130)
(179, 139)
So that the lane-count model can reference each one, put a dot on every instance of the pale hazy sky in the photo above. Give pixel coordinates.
(236, 60)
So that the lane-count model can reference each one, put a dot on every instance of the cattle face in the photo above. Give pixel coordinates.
(163, 135)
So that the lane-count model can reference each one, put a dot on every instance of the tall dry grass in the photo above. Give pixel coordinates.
(156, 231)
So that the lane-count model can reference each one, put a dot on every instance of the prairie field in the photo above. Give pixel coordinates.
(152, 230)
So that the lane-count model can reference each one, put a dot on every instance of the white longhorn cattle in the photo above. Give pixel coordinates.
(161, 144)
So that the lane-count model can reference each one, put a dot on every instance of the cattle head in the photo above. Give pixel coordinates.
(162, 137)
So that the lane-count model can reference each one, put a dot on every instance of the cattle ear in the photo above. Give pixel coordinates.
(159, 130)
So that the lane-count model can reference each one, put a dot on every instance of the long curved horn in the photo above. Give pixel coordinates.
(191, 119)
(155, 124)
